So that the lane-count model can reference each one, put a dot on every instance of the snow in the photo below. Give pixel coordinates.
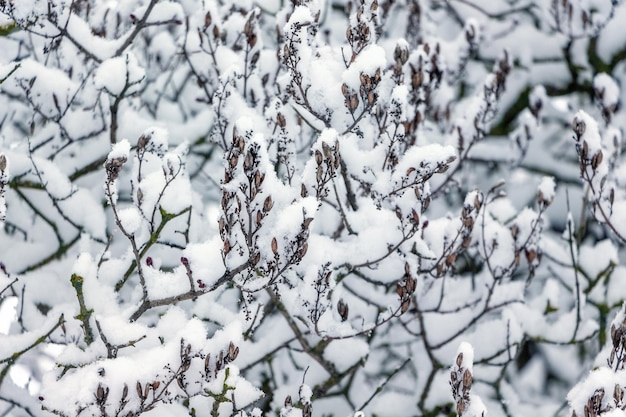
(131, 220)
(59, 99)
(8, 312)
(603, 378)
(305, 393)
(206, 261)
(369, 60)
(300, 16)
(343, 353)
(476, 408)
(546, 189)
(120, 75)
(120, 150)
(607, 90)
(466, 352)
(590, 134)
(596, 259)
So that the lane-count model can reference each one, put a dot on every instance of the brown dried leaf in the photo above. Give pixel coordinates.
(467, 379)
(268, 204)
(139, 390)
(405, 305)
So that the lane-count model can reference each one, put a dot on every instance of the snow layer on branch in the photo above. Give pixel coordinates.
(562, 329)
(597, 258)
(467, 356)
(9, 344)
(119, 76)
(547, 188)
(118, 156)
(131, 219)
(590, 133)
(162, 12)
(606, 89)
(160, 353)
(206, 260)
(426, 158)
(602, 378)
(344, 353)
(81, 31)
(120, 150)
(369, 60)
(50, 88)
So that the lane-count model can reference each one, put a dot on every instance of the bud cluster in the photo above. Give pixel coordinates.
(363, 24)
(606, 92)
(457, 244)
(617, 358)
(424, 71)
(576, 19)
(406, 288)
(485, 111)
(605, 379)
(285, 147)
(244, 206)
(304, 406)
(109, 401)
(367, 92)
(595, 169)
(461, 383)
(322, 285)
(327, 161)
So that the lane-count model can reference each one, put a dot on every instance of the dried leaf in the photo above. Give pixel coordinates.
(405, 305)
(467, 379)
(139, 390)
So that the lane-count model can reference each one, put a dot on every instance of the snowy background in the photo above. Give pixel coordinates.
(312, 208)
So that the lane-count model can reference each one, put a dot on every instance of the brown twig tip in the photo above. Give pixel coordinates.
(461, 379)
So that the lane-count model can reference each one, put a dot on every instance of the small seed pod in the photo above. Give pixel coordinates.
(318, 157)
(268, 204)
(579, 127)
(410, 284)
(345, 90)
(400, 290)
(280, 120)
(417, 79)
(467, 379)
(618, 393)
(401, 54)
(342, 309)
(596, 160)
(233, 352)
(353, 103)
(459, 359)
